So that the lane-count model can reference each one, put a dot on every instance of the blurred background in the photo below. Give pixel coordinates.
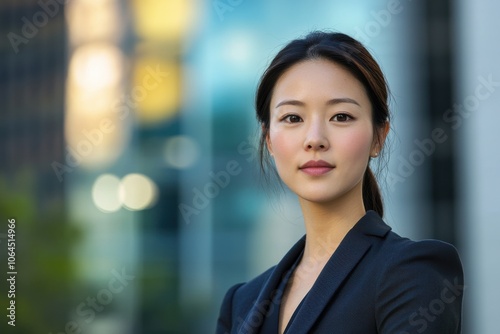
(128, 151)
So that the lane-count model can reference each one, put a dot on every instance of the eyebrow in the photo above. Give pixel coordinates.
(329, 102)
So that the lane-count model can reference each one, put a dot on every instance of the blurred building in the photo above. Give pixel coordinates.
(32, 76)
(32, 84)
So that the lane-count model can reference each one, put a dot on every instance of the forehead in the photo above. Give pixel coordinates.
(318, 79)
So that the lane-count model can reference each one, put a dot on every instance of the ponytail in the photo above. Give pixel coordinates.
(372, 198)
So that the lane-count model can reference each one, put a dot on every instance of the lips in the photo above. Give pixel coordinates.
(316, 167)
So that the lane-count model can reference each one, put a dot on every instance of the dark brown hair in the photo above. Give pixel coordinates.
(353, 56)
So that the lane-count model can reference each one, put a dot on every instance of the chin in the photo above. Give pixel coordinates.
(318, 197)
(322, 195)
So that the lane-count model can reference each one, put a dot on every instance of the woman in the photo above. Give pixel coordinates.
(322, 104)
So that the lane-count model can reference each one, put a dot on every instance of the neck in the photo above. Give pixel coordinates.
(327, 224)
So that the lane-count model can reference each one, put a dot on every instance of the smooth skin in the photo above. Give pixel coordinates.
(320, 111)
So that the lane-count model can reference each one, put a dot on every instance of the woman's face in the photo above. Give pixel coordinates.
(321, 131)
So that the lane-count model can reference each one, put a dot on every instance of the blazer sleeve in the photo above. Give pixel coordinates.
(224, 322)
(421, 290)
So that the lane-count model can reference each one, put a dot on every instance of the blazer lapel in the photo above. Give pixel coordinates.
(350, 251)
(264, 302)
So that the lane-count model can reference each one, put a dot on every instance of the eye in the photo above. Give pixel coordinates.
(292, 119)
(341, 118)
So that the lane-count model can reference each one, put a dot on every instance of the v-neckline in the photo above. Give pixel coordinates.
(282, 288)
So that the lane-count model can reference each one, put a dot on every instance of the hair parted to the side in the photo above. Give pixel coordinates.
(353, 56)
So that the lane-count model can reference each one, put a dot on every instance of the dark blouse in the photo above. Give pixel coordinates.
(271, 322)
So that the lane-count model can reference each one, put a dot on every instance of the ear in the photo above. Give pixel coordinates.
(268, 140)
(380, 137)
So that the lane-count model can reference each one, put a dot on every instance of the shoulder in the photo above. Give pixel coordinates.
(420, 286)
(239, 300)
(426, 265)
(394, 248)
(246, 293)
(428, 255)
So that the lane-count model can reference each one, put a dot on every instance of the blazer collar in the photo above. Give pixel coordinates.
(372, 224)
(265, 302)
(350, 251)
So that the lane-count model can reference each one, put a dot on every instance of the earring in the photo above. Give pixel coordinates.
(375, 154)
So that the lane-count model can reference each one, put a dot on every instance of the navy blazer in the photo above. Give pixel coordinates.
(375, 282)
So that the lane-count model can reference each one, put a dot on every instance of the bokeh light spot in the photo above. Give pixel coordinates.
(138, 192)
(105, 193)
(181, 152)
(96, 66)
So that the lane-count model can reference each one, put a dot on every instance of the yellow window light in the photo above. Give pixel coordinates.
(163, 19)
(93, 20)
(156, 89)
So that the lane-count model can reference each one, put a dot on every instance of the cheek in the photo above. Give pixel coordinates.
(283, 147)
(356, 144)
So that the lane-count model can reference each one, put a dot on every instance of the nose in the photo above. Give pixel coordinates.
(316, 138)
